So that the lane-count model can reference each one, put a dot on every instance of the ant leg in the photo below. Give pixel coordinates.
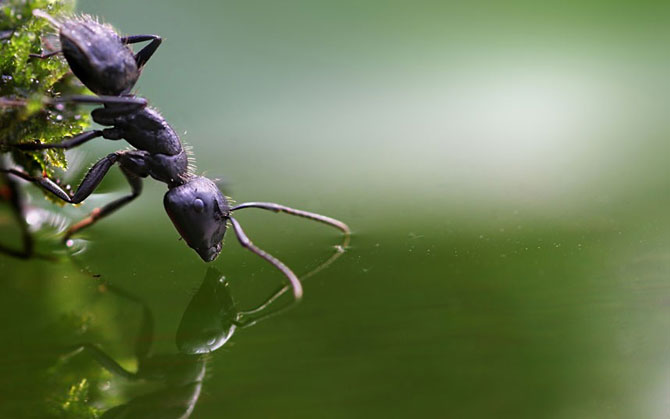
(103, 359)
(98, 213)
(71, 142)
(132, 101)
(246, 243)
(87, 186)
(270, 206)
(109, 115)
(44, 56)
(145, 53)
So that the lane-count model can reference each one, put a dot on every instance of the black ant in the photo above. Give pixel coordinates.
(106, 65)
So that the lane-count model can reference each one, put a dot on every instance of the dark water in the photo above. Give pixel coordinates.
(507, 186)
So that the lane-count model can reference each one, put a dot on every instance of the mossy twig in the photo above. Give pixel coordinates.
(25, 82)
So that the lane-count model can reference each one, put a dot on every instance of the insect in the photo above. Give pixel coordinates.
(104, 62)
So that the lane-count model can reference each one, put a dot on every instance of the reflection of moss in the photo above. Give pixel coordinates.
(24, 82)
(39, 379)
(75, 404)
(72, 382)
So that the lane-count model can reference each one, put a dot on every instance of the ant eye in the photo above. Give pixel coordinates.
(198, 205)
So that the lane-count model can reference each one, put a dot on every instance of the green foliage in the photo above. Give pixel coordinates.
(25, 82)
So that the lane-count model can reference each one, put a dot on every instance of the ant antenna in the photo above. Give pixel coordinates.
(246, 243)
(271, 206)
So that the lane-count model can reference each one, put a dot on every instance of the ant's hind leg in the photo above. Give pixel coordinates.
(271, 206)
(246, 243)
(145, 53)
(98, 213)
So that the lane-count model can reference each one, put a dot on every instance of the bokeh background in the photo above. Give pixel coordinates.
(504, 166)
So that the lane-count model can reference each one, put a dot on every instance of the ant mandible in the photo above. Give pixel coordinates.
(106, 65)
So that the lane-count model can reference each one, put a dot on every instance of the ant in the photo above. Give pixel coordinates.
(106, 65)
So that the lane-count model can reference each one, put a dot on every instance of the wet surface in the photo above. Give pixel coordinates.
(447, 319)
(508, 197)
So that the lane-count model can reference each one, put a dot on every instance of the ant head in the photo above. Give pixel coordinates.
(97, 56)
(200, 212)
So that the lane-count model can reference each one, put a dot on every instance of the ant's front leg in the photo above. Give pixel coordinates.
(145, 53)
(104, 116)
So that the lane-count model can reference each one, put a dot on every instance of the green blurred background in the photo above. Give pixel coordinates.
(504, 166)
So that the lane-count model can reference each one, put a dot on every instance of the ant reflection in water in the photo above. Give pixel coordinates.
(210, 320)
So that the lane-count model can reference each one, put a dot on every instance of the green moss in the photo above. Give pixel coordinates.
(25, 82)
